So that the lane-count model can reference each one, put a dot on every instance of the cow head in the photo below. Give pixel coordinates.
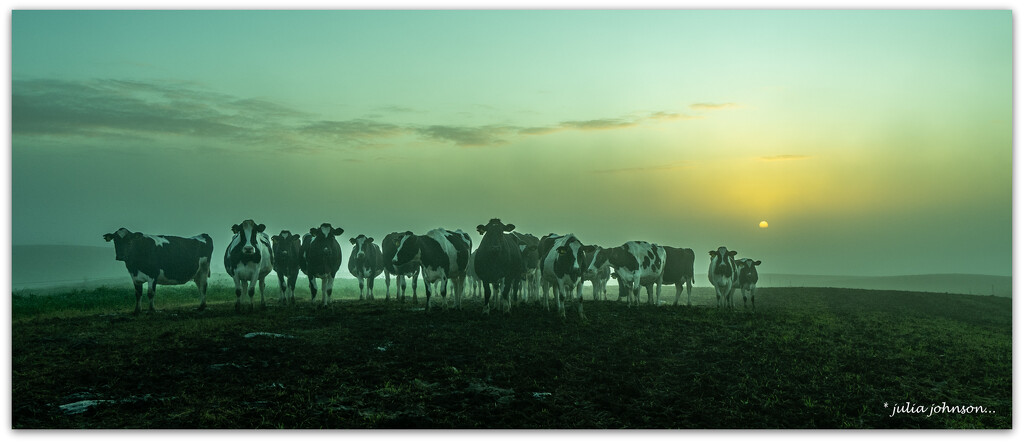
(122, 238)
(746, 270)
(286, 244)
(496, 228)
(595, 258)
(407, 250)
(570, 259)
(247, 231)
(723, 258)
(324, 237)
(360, 244)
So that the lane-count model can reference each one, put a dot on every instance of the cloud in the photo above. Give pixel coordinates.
(784, 157)
(713, 106)
(130, 110)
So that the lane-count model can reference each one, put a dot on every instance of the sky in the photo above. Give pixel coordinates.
(871, 142)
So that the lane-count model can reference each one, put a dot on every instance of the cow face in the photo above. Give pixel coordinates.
(247, 231)
(286, 244)
(596, 259)
(570, 260)
(361, 243)
(122, 238)
(407, 250)
(745, 269)
(723, 259)
(324, 237)
(496, 227)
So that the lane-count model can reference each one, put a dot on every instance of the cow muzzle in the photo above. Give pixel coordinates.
(248, 250)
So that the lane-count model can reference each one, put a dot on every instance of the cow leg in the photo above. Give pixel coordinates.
(360, 278)
(679, 292)
(328, 283)
(238, 294)
(400, 285)
(312, 288)
(415, 276)
(689, 287)
(263, 287)
(201, 285)
(487, 297)
(544, 286)
(369, 287)
(387, 286)
(283, 284)
(251, 285)
(427, 286)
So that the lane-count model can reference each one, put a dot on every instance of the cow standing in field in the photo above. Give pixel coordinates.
(529, 287)
(678, 271)
(287, 250)
(442, 255)
(597, 271)
(321, 255)
(746, 279)
(638, 264)
(499, 262)
(389, 249)
(248, 260)
(366, 262)
(722, 274)
(163, 259)
(562, 266)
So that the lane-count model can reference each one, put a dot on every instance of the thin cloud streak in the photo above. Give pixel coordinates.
(784, 157)
(713, 106)
(140, 110)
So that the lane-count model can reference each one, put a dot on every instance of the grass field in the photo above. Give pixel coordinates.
(808, 358)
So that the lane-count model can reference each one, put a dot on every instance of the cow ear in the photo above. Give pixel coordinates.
(732, 253)
(108, 237)
(235, 228)
(312, 231)
(337, 231)
(352, 240)
(275, 238)
(711, 253)
(757, 262)
(481, 229)
(510, 227)
(370, 239)
(261, 227)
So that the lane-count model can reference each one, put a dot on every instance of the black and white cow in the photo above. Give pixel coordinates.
(638, 264)
(722, 273)
(475, 285)
(562, 266)
(678, 271)
(442, 255)
(321, 255)
(365, 263)
(499, 262)
(248, 259)
(746, 279)
(287, 250)
(529, 287)
(389, 249)
(598, 270)
(163, 259)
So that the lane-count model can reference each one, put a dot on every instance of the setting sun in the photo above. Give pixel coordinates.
(763, 224)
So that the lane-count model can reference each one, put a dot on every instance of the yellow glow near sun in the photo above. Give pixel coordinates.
(763, 224)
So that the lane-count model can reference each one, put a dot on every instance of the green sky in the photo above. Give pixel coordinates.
(873, 142)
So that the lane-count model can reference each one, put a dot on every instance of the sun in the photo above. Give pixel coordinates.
(763, 224)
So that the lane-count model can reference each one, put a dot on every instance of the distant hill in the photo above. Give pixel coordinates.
(48, 266)
(974, 284)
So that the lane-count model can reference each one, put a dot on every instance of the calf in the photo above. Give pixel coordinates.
(722, 273)
(321, 255)
(597, 271)
(442, 255)
(499, 262)
(248, 260)
(163, 259)
(746, 279)
(638, 264)
(678, 271)
(366, 262)
(562, 265)
(389, 249)
(287, 251)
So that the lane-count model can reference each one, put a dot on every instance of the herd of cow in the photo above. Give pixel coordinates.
(518, 267)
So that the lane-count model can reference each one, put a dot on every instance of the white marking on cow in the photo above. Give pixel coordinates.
(158, 239)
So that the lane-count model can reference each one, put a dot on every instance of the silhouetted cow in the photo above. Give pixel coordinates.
(562, 266)
(638, 264)
(287, 250)
(746, 279)
(322, 258)
(722, 273)
(248, 259)
(442, 255)
(389, 249)
(163, 259)
(499, 262)
(365, 263)
(678, 271)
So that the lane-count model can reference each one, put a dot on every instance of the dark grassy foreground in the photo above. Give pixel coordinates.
(809, 358)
